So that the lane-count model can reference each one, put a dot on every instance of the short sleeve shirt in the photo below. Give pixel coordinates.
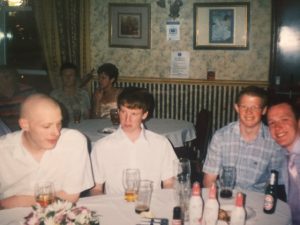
(151, 153)
(253, 160)
(67, 165)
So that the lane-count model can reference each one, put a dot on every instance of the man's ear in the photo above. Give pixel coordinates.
(145, 115)
(264, 111)
(23, 123)
(236, 108)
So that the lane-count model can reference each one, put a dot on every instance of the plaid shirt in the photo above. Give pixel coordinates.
(253, 160)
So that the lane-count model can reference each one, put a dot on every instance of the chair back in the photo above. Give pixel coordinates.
(203, 133)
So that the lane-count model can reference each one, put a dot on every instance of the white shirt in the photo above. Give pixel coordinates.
(67, 165)
(151, 153)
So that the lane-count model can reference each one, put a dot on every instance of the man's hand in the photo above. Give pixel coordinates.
(98, 95)
(209, 179)
(97, 190)
(68, 197)
(169, 183)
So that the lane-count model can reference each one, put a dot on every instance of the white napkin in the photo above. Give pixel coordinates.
(109, 130)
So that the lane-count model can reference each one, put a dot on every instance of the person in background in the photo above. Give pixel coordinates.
(284, 126)
(42, 151)
(3, 128)
(105, 97)
(71, 97)
(132, 146)
(245, 144)
(12, 94)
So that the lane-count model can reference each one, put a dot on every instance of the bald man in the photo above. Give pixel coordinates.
(42, 151)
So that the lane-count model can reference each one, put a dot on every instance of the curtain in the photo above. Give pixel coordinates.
(63, 28)
(45, 15)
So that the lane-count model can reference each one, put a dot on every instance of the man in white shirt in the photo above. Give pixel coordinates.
(42, 151)
(132, 146)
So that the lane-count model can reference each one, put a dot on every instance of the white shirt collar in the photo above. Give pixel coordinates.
(142, 136)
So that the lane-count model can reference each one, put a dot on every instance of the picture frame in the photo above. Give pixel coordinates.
(223, 25)
(129, 25)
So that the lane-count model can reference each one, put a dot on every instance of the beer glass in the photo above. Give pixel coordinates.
(131, 180)
(144, 196)
(76, 115)
(227, 181)
(44, 193)
(114, 116)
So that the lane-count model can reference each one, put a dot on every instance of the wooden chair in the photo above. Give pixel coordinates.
(203, 135)
(197, 151)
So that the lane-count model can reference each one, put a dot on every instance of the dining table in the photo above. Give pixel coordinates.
(177, 131)
(112, 209)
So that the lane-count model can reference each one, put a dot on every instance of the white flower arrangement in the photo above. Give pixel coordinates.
(61, 213)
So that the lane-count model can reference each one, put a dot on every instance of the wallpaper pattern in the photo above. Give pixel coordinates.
(251, 64)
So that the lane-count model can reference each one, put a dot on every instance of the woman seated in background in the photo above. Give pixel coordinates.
(105, 97)
(72, 99)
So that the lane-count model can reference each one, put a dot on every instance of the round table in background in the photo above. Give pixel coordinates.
(177, 131)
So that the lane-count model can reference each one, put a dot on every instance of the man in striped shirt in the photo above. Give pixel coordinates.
(12, 94)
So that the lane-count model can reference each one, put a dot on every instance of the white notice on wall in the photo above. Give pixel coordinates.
(180, 63)
(173, 31)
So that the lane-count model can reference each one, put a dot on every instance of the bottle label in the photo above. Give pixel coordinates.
(269, 202)
(176, 222)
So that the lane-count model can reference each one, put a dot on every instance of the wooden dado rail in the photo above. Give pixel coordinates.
(183, 98)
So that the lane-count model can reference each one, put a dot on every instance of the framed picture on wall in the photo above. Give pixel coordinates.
(129, 25)
(221, 25)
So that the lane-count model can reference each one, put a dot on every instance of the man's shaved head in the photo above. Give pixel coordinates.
(40, 119)
(35, 103)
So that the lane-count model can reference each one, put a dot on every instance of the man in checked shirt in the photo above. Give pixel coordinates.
(245, 144)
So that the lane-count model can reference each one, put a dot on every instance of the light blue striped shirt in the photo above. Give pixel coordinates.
(253, 160)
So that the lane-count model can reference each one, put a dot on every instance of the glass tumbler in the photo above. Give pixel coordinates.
(131, 180)
(227, 181)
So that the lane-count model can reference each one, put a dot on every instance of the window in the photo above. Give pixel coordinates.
(19, 43)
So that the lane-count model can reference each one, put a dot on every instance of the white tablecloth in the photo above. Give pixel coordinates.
(177, 131)
(114, 210)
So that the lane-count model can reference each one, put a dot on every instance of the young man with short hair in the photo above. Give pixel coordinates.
(132, 146)
(42, 151)
(245, 144)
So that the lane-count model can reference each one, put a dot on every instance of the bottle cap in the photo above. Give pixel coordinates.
(177, 213)
(212, 191)
(239, 200)
(196, 190)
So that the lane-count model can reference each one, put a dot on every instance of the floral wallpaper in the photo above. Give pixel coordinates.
(251, 64)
